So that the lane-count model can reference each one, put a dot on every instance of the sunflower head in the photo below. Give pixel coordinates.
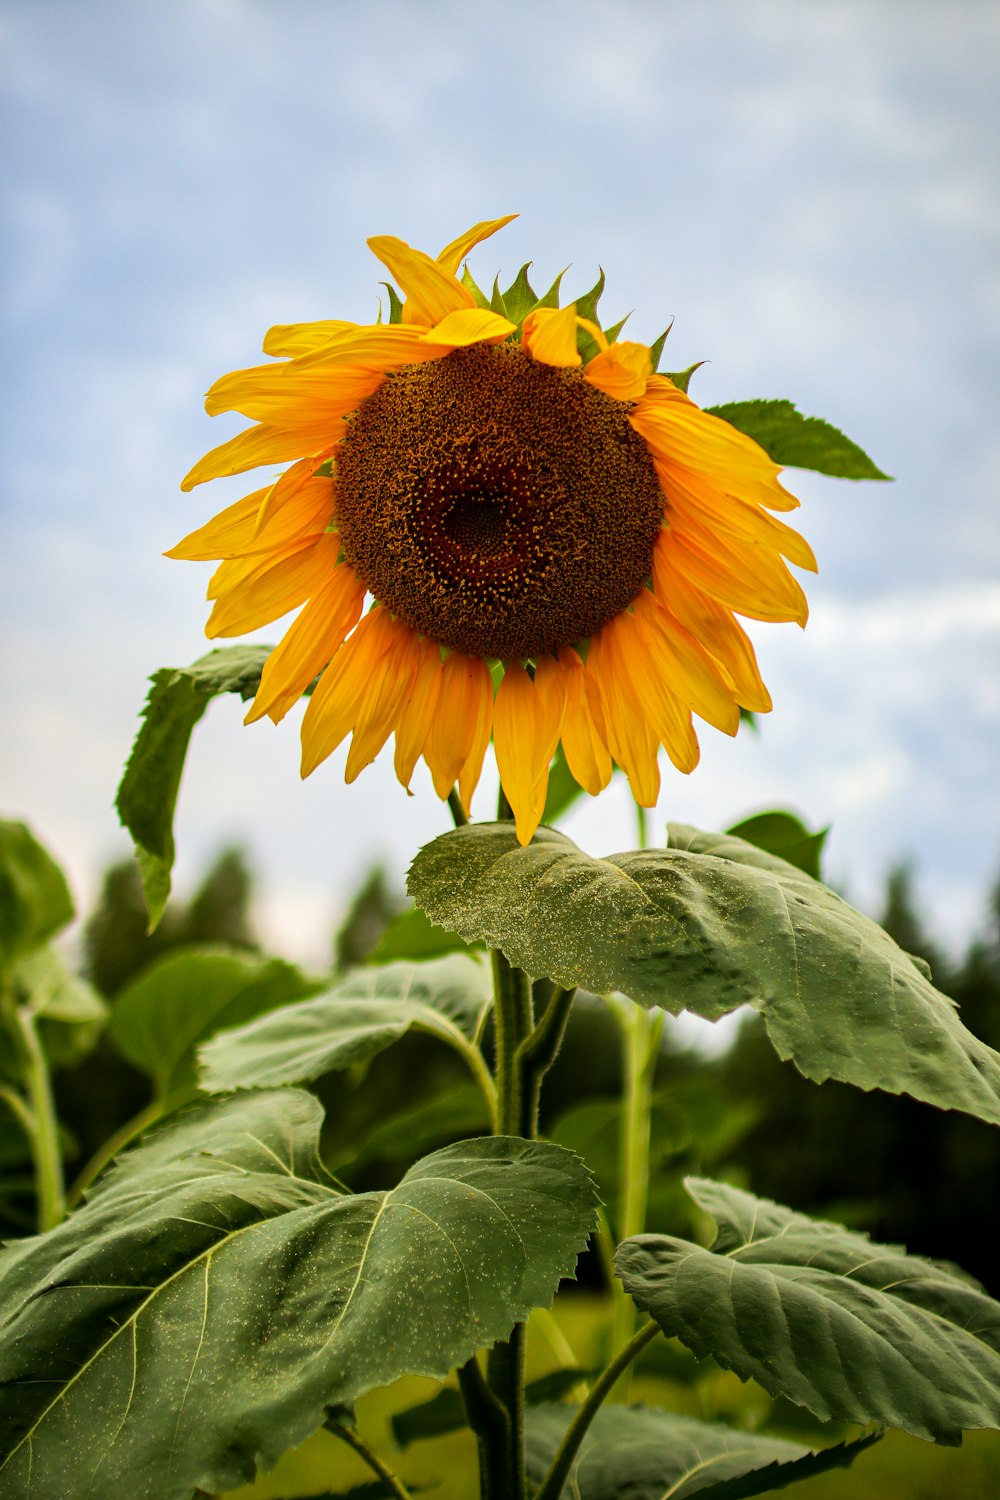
(553, 540)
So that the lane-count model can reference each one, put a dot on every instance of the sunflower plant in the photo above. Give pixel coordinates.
(500, 524)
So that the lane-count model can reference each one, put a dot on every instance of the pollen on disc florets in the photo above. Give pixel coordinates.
(498, 505)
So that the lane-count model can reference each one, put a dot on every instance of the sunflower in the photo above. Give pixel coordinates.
(554, 539)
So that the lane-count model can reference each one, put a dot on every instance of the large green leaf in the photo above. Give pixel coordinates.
(798, 442)
(648, 1454)
(854, 1331)
(411, 935)
(448, 997)
(147, 794)
(216, 1295)
(181, 999)
(34, 898)
(707, 924)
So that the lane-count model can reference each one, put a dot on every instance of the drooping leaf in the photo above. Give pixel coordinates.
(648, 1454)
(216, 1295)
(798, 442)
(412, 935)
(372, 1007)
(148, 790)
(707, 924)
(785, 835)
(852, 1330)
(34, 898)
(181, 999)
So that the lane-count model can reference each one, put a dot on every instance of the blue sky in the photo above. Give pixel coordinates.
(810, 190)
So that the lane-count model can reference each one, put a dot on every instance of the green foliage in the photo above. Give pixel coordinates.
(185, 997)
(412, 935)
(853, 1331)
(375, 907)
(34, 898)
(217, 1295)
(148, 791)
(647, 1454)
(798, 442)
(448, 997)
(708, 924)
(785, 835)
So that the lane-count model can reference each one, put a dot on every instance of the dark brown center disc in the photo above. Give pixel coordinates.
(497, 505)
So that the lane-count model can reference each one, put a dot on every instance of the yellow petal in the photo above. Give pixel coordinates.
(309, 644)
(431, 292)
(379, 705)
(709, 449)
(453, 728)
(453, 254)
(259, 445)
(527, 719)
(472, 325)
(288, 394)
(332, 709)
(653, 696)
(684, 666)
(693, 499)
(549, 336)
(287, 490)
(374, 346)
(628, 736)
(225, 535)
(287, 340)
(417, 711)
(482, 687)
(281, 583)
(750, 580)
(713, 625)
(621, 371)
(587, 756)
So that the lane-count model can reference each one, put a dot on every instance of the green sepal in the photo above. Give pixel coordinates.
(147, 793)
(551, 297)
(325, 471)
(656, 347)
(471, 285)
(586, 306)
(496, 299)
(611, 334)
(520, 297)
(682, 378)
(798, 442)
(395, 305)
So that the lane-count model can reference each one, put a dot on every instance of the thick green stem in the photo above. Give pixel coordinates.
(554, 1480)
(348, 1435)
(641, 1031)
(45, 1126)
(110, 1148)
(488, 1418)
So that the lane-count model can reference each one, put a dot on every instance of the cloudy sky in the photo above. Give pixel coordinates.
(809, 189)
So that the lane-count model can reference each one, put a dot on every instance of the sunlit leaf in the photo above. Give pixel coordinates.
(798, 442)
(708, 924)
(852, 1330)
(216, 1295)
